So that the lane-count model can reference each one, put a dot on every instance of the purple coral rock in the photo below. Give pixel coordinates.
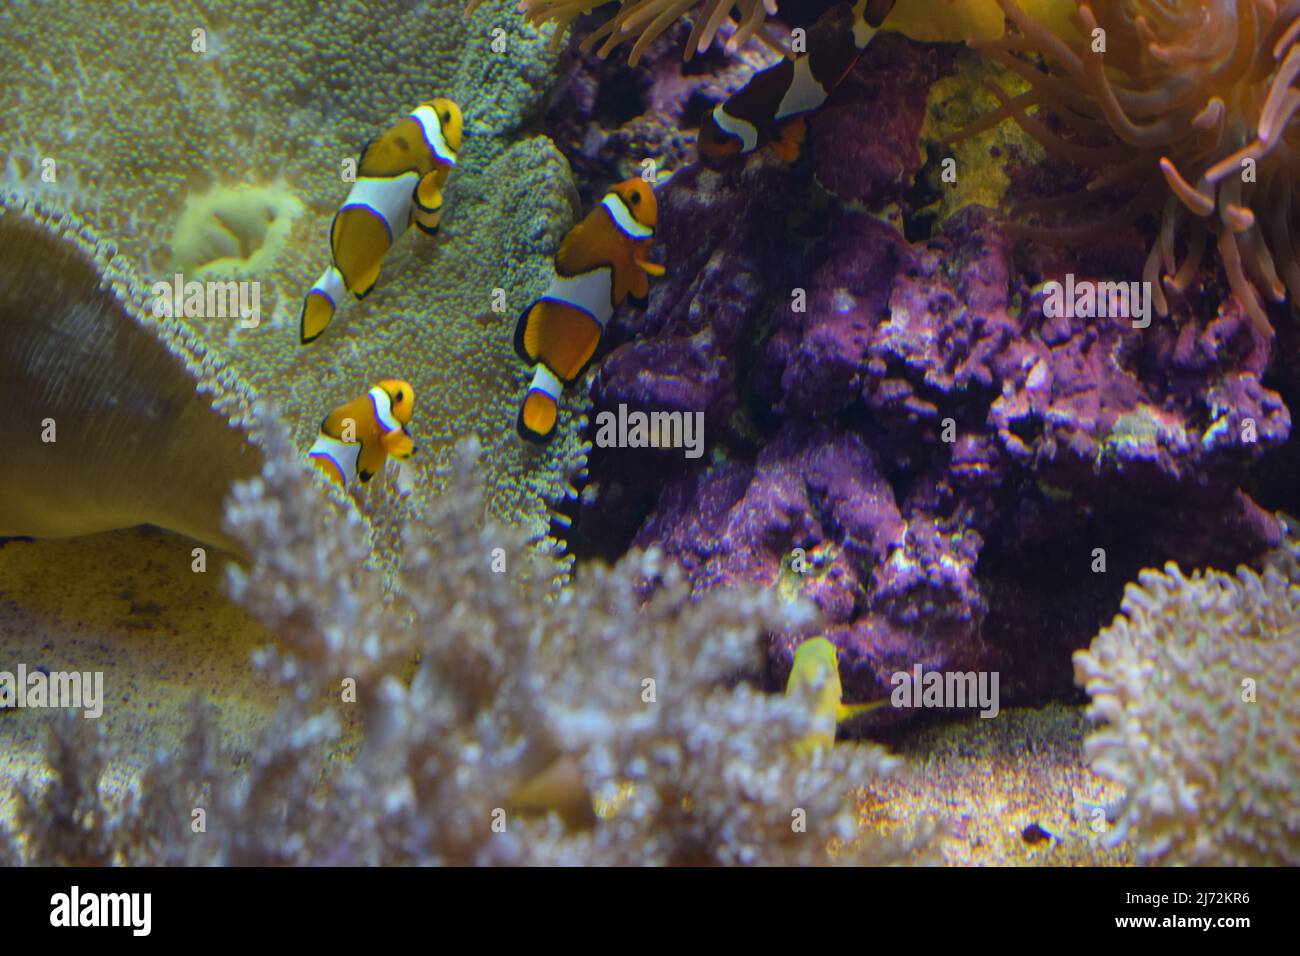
(949, 457)
(864, 141)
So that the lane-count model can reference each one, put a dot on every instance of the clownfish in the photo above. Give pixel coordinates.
(601, 261)
(400, 177)
(357, 437)
(817, 665)
(770, 108)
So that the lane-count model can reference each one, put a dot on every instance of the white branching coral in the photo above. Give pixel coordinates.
(492, 716)
(1198, 683)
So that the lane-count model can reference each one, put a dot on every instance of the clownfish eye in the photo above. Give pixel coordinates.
(636, 198)
(446, 116)
(398, 396)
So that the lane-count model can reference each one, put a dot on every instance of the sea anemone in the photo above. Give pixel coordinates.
(1185, 109)
(645, 20)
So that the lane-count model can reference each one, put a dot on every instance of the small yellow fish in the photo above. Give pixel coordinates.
(816, 665)
(952, 21)
(558, 789)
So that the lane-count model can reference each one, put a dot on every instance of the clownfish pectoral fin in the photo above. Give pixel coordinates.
(426, 222)
(540, 409)
(319, 306)
(651, 268)
(371, 460)
(428, 191)
(398, 444)
(791, 141)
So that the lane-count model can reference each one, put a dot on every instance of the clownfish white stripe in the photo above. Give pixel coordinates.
(330, 285)
(618, 211)
(545, 381)
(432, 127)
(389, 198)
(383, 404)
(743, 130)
(863, 32)
(804, 92)
(592, 292)
(344, 455)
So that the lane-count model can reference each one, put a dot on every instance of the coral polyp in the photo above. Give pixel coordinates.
(1186, 110)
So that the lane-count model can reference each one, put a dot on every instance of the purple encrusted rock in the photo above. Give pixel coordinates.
(898, 430)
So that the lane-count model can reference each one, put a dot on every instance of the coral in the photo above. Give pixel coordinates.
(234, 230)
(1196, 684)
(1008, 444)
(144, 428)
(1187, 111)
(280, 99)
(469, 685)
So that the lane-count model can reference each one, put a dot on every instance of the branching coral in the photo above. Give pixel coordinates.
(1187, 110)
(1198, 682)
(473, 682)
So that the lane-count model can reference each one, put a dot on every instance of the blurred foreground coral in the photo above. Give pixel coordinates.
(483, 699)
(1198, 682)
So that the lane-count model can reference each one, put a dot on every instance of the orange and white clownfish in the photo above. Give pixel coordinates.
(601, 262)
(770, 108)
(399, 181)
(357, 437)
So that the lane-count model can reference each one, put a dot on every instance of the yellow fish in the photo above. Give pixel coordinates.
(816, 665)
(952, 21)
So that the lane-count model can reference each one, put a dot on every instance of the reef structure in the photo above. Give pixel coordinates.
(888, 392)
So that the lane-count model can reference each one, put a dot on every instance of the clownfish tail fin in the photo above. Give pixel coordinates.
(848, 711)
(540, 408)
(319, 306)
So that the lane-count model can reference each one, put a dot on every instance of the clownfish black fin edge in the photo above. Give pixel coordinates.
(528, 435)
(521, 329)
